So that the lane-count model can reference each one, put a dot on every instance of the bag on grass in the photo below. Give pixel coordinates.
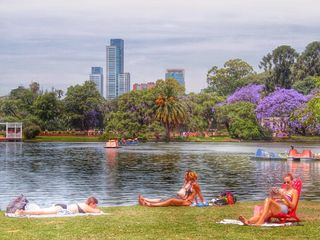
(225, 198)
(18, 203)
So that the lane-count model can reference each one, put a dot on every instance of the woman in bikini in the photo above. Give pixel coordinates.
(288, 199)
(89, 206)
(192, 190)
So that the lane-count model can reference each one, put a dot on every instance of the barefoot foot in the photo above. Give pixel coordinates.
(140, 199)
(244, 220)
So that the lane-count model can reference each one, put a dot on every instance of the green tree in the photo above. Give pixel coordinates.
(278, 67)
(83, 106)
(313, 107)
(240, 120)
(170, 111)
(201, 110)
(130, 115)
(306, 85)
(20, 100)
(226, 80)
(308, 63)
(48, 109)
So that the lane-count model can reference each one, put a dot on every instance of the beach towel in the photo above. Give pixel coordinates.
(63, 214)
(237, 222)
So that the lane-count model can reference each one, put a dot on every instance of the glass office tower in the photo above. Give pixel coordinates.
(97, 77)
(124, 83)
(177, 74)
(116, 79)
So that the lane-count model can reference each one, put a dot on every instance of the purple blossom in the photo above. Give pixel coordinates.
(281, 103)
(250, 93)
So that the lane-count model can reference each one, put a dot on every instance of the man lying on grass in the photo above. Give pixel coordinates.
(89, 206)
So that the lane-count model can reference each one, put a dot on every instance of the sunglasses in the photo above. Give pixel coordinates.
(287, 182)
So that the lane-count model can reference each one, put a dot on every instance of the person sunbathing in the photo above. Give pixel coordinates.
(89, 206)
(280, 201)
(192, 190)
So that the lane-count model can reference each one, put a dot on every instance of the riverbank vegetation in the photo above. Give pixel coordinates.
(136, 222)
(283, 100)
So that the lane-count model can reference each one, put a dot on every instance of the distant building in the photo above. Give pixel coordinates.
(117, 80)
(177, 74)
(124, 83)
(97, 77)
(143, 86)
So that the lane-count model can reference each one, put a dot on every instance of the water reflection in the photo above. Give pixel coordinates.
(68, 172)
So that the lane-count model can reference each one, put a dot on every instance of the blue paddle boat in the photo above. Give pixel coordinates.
(262, 154)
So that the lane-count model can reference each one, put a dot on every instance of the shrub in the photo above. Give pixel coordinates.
(31, 131)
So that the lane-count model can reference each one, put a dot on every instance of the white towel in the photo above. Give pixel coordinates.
(237, 222)
(12, 215)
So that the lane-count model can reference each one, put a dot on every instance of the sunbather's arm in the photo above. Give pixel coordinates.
(198, 191)
(89, 209)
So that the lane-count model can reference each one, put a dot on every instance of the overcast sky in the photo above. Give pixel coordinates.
(55, 42)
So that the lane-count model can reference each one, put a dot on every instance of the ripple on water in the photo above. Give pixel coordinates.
(67, 172)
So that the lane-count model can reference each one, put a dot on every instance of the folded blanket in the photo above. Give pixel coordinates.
(237, 222)
(12, 215)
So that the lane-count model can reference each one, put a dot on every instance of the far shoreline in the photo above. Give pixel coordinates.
(292, 139)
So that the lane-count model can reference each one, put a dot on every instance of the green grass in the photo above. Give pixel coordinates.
(137, 222)
(209, 139)
(64, 139)
(305, 139)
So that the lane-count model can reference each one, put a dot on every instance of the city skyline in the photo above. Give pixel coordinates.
(56, 42)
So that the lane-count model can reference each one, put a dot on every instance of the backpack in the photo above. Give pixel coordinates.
(224, 198)
(18, 203)
(230, 198)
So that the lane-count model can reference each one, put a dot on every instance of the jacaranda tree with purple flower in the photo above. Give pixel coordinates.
(250, 93)
(280, 105)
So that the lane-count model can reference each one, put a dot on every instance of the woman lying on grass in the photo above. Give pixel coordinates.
(287, 198)
(90, 206)
(192, 191)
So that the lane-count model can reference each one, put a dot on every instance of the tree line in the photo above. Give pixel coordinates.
(237, 100)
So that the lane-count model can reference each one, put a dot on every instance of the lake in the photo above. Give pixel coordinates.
(49, 173)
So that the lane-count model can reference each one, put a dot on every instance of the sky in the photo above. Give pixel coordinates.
(56, 42)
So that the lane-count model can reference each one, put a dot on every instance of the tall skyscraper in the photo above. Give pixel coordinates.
(117, 81)
(96, 76)
(177, 74)
(124, 83)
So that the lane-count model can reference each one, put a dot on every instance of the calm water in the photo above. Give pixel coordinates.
(48, 173)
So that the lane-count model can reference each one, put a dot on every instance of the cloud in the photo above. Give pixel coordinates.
(56, 42)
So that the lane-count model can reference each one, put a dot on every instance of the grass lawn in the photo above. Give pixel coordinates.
(209, 139)
(304, 139)
(136, 222)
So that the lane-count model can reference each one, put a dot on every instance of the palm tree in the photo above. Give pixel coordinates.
(170, 112)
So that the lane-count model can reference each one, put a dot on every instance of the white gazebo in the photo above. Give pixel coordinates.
(13, 131)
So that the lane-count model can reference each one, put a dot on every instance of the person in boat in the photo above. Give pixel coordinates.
(89, 206)
(189, 192)
(287, 198)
